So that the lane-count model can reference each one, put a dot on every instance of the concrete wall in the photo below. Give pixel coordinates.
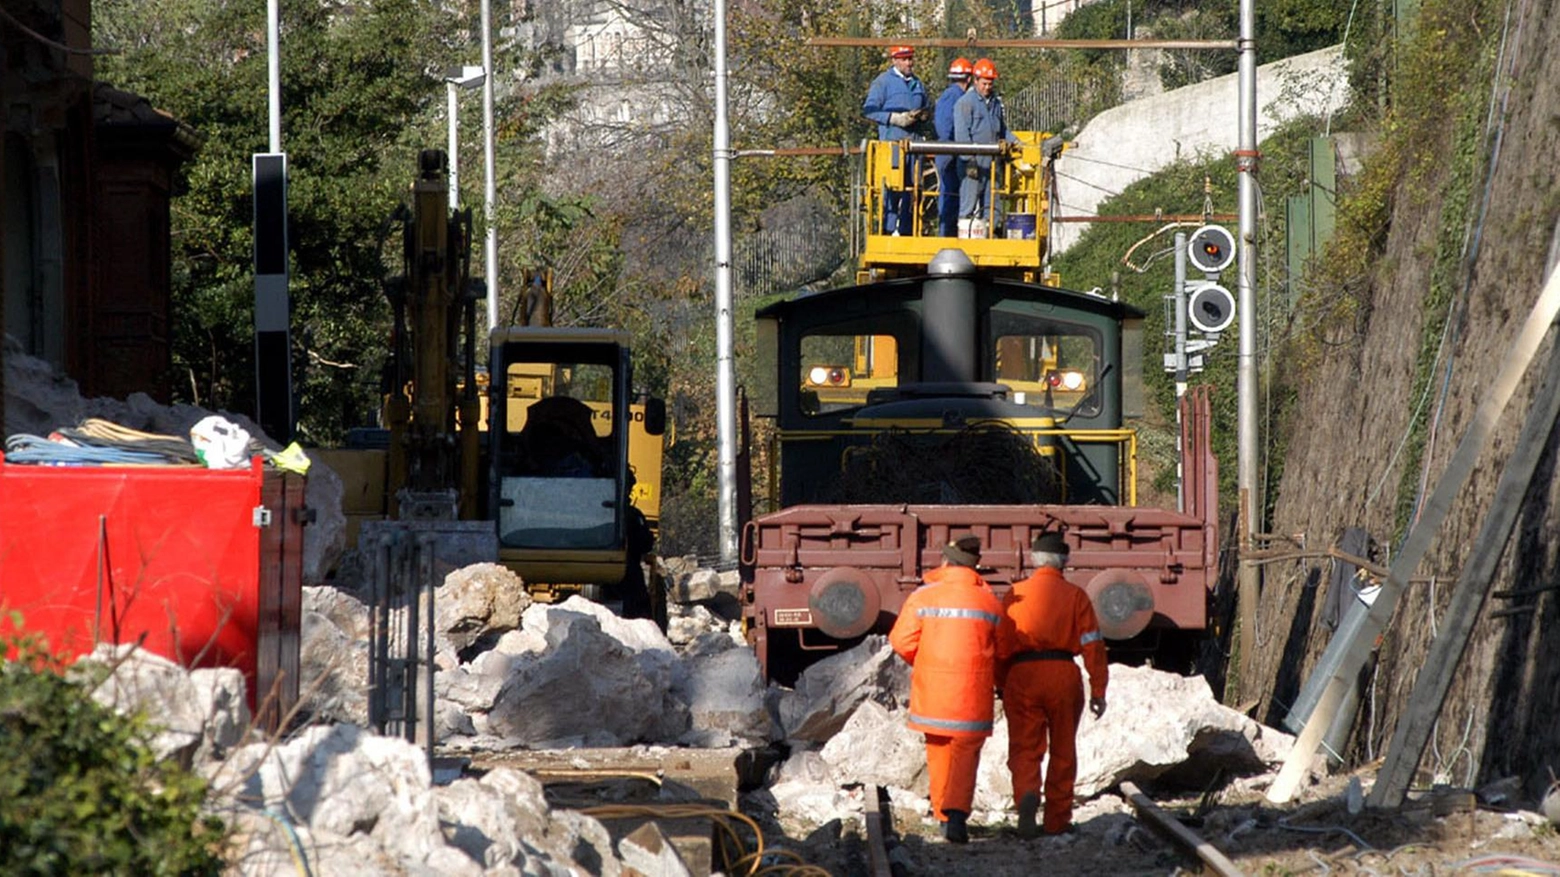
(1129, 142)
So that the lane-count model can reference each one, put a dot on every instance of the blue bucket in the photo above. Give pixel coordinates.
(1020, 226)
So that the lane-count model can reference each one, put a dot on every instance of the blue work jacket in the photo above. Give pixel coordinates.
(943, 117)
(892, 93)
(980, 120)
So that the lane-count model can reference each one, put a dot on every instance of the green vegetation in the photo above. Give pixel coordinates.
(82, 791)
(1285, 28)
(1439, 105)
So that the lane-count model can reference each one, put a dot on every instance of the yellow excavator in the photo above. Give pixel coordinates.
(547, 462)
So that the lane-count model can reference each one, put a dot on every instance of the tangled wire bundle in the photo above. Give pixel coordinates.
(989, 463)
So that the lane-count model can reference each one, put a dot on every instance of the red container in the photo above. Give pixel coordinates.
(200, 566)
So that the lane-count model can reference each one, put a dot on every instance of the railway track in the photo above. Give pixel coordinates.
(1171, 829)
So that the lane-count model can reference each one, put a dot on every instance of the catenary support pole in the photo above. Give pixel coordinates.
(452, 120)
(1250, 575)
(725, 372)
(1360, 629)
(273, 70)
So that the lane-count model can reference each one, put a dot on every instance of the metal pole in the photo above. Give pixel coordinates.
(453, 110)
(1246, 411)
(725, 375)
(1180, 365)
(490, 187)
(273, 29)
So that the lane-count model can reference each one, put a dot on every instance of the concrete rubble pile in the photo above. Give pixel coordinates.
(345, 800)
(845, 724)
(574, 674)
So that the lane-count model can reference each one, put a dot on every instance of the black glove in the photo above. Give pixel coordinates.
(972, 171)
(923, 114)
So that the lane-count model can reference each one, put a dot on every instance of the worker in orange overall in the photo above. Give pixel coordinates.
(947, 632)
(1046, 620)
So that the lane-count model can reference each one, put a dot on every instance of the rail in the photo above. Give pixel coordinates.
(1184, 838)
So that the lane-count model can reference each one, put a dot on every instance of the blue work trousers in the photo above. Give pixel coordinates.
(898, 216)
(975, 194)
(950, 171)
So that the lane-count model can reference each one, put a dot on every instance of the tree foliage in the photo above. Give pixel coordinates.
(360, 96)
(83, 792)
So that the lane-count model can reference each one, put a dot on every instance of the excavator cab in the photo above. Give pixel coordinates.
(560, 419)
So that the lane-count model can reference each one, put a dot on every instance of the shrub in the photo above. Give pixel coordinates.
(82, 792)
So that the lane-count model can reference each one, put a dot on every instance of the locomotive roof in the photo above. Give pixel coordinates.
(909, 287)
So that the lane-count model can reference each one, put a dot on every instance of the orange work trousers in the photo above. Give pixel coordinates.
(1044, 701)
(951, 764)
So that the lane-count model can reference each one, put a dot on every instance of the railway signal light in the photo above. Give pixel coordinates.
(1211, 249)
(1210, 308)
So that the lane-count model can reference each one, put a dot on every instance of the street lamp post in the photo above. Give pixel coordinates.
(456, 78)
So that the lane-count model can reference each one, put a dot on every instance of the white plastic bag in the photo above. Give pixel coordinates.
(220, 443)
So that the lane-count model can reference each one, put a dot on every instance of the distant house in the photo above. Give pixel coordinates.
(86, 175)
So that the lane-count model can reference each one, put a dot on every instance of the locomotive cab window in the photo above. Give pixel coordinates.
(838, 371)
(1047, 363)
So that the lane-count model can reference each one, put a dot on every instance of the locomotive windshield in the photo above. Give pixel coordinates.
(1047, 363)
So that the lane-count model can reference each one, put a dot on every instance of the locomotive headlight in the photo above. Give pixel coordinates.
(828, 376)
(1071, 381)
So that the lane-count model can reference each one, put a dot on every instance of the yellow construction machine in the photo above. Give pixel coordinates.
(547, 461)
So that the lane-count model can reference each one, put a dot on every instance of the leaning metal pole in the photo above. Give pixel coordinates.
(725, 373)
(1356, 637)
(1246, 411)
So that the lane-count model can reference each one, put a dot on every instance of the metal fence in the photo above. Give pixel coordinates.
(1061, 101)
(781, 259)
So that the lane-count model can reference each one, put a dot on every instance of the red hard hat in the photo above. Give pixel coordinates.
(960, 67)
(901, 52)
(984, 69)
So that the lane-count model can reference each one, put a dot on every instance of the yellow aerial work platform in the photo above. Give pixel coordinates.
(1017, 222)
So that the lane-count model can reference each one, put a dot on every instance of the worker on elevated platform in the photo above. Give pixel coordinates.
(897, 102)
(1046, 620)
(948, 166)
(947, 631)
(978, 117)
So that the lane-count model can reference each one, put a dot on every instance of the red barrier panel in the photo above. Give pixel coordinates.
(200, 566)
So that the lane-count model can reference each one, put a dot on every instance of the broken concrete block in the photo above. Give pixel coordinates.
(476, 604)
(876, 747)
(194, 713)
(648, 851)
(829, 691)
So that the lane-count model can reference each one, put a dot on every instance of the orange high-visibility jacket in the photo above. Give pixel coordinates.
(947, 632)
(1044, 613)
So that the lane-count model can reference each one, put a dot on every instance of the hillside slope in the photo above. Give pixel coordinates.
(1355, 412)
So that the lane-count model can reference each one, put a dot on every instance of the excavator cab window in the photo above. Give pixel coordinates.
(559, 463)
